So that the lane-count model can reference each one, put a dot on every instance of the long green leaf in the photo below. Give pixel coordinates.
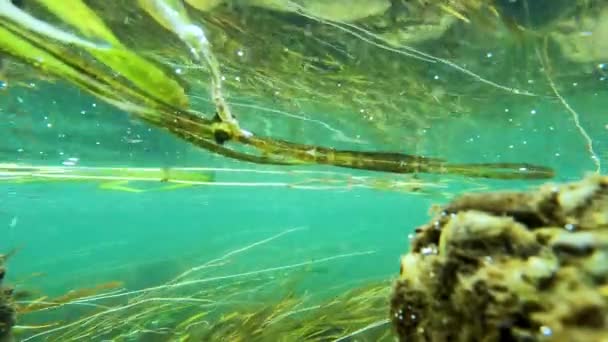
(142, 73)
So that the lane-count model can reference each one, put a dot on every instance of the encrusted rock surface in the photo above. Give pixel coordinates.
(509, 266)
(7, 310)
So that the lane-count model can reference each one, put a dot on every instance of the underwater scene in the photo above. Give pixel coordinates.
(303, 170)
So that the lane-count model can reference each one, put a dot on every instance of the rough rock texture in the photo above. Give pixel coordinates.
(511, 266)
(584, 40)
(7, 310)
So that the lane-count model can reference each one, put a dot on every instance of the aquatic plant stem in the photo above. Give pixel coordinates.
(90, 318)
(404, 50)
(192, 127)
(173, 15)
(544, 60)
(12, 12)
(232, 276)
(237, 251)
(366, 328)
(186, 283)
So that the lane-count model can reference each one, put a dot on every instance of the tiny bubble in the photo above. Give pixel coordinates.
(533, 111)
(427, 251)
(569, 227)
(546, 331)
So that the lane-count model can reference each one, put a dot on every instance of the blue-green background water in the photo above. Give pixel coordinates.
(80, 235)
(73, 235)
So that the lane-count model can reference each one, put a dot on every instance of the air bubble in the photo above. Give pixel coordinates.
(546, 331)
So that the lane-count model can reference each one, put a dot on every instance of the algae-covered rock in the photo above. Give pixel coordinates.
(584, 40)
(7, 310)
(511, 266)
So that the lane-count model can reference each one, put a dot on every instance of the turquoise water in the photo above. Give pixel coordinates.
(72, 235)
(75, 235)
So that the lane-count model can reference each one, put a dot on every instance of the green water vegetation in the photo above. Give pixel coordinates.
(217, 300)
(122, 179)
(360, 312)
(148, 179)
(125, 53)
(513, 265)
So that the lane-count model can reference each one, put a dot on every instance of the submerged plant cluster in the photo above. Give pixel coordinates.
(490, 266)
(208, 302)
(125, 52)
